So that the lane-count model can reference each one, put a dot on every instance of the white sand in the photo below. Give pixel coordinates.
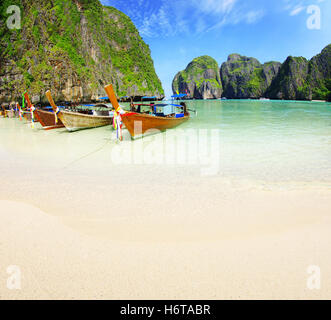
(79, 229)
(257, 247)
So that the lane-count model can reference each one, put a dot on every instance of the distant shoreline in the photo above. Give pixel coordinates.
(6, 104)
(251, 99)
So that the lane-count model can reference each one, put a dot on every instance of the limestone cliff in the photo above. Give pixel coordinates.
(301, 79)
(320, 74)
(200, 79)
(74, 48)
(244, 77)
(290, 83)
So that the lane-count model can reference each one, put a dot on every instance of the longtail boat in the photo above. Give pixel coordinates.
(26, 112)
(4, 110)
(74, 121)
(139, 123)
(27, 115)
(9, 111)
(160, 118)
(46, 118)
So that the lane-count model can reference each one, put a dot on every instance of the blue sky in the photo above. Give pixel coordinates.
(179, 30)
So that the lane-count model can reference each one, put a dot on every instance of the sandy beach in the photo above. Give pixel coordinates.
(80, 227)
(165, 150)
(264, 254)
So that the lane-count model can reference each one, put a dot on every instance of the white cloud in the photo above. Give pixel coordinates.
(294, 7)
(215, 6)
(238, 16)
(194, 17)
(296, 10)
(253, 16)
(200, 26)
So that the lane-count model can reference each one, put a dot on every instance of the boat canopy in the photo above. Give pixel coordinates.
(103, 98)
(50, 108)
(181, 95)
(145, 98)
(168, 104)
(106, 105)
(98, 105)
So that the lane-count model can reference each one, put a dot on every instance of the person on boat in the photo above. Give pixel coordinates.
(132, 107)
(183, 104)
(152, 107)
(138, 109)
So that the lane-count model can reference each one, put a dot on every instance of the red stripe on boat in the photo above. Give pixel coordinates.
(128, 114)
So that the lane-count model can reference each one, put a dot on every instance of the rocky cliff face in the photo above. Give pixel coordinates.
(200, 79)
(301, 79)
(291, 81)
(244, 77)
(74, 48)
(319, 74)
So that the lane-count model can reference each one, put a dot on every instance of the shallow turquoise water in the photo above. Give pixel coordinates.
(272, 141)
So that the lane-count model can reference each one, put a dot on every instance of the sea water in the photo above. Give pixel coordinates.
(271, 141)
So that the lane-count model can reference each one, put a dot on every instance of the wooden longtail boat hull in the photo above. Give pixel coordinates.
(74, 121)
(10, 113)
(28, 117)
(47, 119)
(146, 122)
(3, 111)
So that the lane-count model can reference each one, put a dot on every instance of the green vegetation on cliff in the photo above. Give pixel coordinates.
(290, 82)
(244, 77)
(319, 75)
(256, 80)
(75, 48)
(200, 79)
(197, 67)
(301, 79)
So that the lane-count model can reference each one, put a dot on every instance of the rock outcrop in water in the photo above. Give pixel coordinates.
(244, 77)
(200, 79)
(302, 79)
(291, 81)
(74, 48)
(320, 74)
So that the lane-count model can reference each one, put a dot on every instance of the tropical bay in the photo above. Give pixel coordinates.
(149, 158)
(80, 193)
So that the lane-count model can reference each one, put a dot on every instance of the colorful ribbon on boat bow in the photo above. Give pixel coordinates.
(32, 109)
(23, 106)
(20, 112)
(56, 113)
(23, 101)
(117, 123)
